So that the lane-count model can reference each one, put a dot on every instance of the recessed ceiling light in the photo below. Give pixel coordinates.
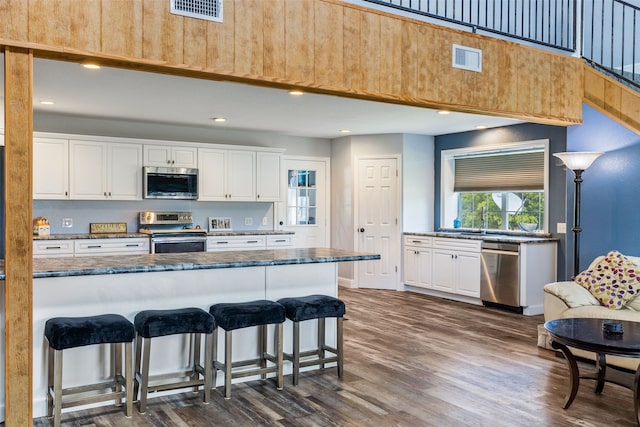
(219, 119)
(444, 112)
(47, 102)
(345, 131)
(91, 66)
(480, 127)
(296, 92)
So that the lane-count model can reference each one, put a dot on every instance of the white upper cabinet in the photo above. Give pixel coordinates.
(226, 175)
(268, 177)
(170, 156)
(102, 170)
(50, 168)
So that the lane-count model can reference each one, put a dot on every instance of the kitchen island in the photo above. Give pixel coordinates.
(127, 284)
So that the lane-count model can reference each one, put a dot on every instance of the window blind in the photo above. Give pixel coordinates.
(500, 172)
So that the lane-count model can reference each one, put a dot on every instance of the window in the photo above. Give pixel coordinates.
(301, 197)
(496, 188)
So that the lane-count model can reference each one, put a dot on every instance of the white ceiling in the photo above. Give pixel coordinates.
(141, 96)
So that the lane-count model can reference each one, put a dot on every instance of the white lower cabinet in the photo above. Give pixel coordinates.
(90, 247)
(100, 247)
(248, 242)
(456, 266)
(417, 266)
(52, 248)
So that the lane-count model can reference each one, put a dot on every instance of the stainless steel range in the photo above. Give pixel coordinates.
(172, 232)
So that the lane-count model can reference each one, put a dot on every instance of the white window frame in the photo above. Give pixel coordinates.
(449, 203)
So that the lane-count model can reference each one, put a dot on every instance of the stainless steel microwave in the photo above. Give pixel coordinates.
(170, 183)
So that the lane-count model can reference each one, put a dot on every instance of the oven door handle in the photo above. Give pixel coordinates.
(178, 240)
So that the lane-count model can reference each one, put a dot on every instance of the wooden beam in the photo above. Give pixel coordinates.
(18, 286)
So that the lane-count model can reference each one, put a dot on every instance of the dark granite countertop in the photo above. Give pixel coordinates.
(131, 235)
(489, 237)
(120, 264)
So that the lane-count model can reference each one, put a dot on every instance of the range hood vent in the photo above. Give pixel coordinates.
(211, 10)
(467, 58)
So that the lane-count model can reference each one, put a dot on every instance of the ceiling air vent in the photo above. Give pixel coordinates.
(467, 58)
(211, 10)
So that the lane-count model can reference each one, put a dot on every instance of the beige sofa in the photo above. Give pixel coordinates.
(569, 299)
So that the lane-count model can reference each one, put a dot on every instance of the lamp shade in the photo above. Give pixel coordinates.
(578, 160)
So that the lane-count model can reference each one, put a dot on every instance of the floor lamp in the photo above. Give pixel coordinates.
(578, 162)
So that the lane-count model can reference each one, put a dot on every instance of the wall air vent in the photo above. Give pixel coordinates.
(467, 58)
(211, 10)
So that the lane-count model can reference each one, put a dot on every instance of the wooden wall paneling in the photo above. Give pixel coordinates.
(593, 86)
(630, 109)
(409, 62)
(496, 85)
(49, 22)
(194, 47)
(567, 81)
(429, 71)
(274, 42)
(351, 51)
(390, 55)
(466, 93)
(162, 33)
(85, 24)
(248, 39)
(18, 285)
(445, 92)
(370, 52)
(612, 97)
(328, 45)
(14, 19)
(299, 44)
(121, 29)
(220, 42)
(534, 84)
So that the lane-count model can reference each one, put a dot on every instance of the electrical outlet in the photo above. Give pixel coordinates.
(248, 221)
(67, 222)
(562, 228)
(265, 221)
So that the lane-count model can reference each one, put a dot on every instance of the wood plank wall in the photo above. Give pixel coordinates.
(612, 98)
(319, 45)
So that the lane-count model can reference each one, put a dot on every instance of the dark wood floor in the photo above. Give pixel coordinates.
(411, 360)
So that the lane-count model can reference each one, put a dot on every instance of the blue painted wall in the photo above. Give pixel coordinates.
(557, 137)
(610, 201)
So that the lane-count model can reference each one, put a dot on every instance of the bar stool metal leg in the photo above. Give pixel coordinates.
(279, 356)
(50, 383)
(227, 365)
(262, 332)
(146, 348)
(128, 378)
(214, 358)
(340, 347)
(321, 340)
(116, 355)
(57, 388)
(296, 352)
(207, 366)
(195, 339)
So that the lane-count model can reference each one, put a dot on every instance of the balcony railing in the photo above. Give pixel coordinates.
(547, 22)
(606, 33)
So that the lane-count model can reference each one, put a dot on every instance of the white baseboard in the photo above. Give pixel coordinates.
(346, 283)
(533, 310)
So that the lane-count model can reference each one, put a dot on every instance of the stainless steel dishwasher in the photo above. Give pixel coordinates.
(499, 283)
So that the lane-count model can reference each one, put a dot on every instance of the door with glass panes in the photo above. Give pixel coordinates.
(305, 208)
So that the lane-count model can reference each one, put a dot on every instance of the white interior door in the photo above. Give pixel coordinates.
(305, 208)
(377, 222)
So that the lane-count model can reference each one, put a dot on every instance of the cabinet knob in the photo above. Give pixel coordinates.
(105, 194)
(361, 230)
(281, 223)
(168, 162)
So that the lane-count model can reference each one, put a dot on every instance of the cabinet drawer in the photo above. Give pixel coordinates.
(279, 241)
(457, 244)
(235, 243)
(52, 248)
(426, 241)
(89, 247)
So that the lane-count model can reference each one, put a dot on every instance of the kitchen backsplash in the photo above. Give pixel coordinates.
(82, 213)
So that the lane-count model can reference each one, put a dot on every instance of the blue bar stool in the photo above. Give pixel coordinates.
(232, 316)
(63, 333)
(314, 307)
(156, 323)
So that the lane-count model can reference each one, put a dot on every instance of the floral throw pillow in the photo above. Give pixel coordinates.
(613, 281)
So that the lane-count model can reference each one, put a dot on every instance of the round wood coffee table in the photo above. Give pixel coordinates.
(587, 334)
